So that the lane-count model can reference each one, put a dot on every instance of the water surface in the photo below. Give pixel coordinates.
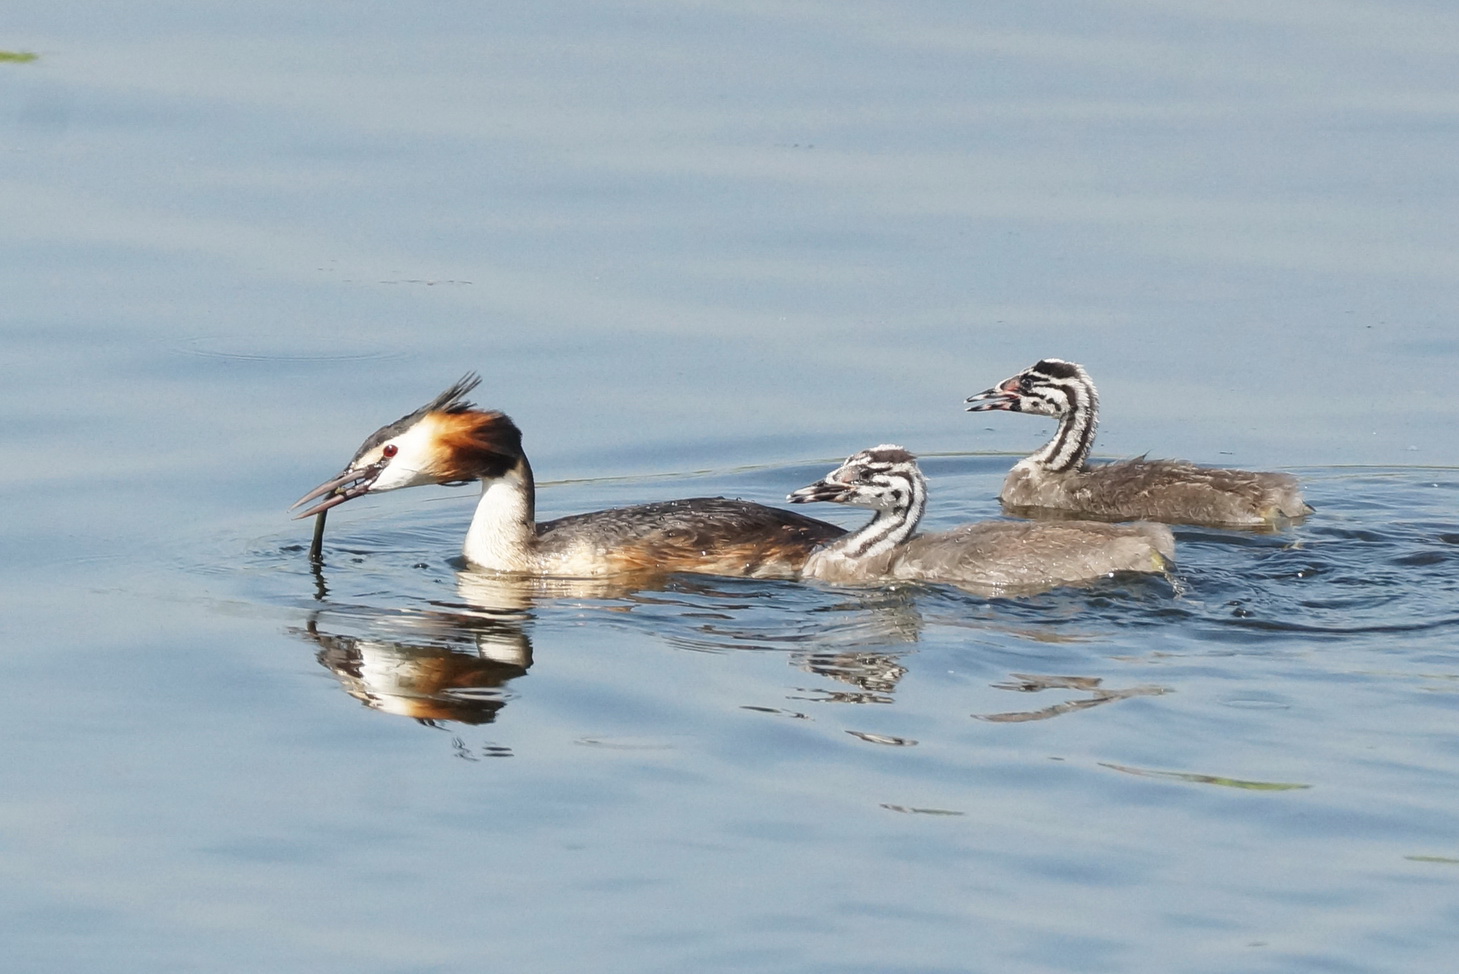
(711, 249)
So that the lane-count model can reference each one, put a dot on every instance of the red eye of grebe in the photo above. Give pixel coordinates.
(389, 450)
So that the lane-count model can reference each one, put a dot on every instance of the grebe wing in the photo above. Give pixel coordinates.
(701, 534)
(1019, 554)
(1178, 490)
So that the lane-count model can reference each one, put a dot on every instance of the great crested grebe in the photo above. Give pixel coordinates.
(449, 440)
(991, 557)
(1059, 477)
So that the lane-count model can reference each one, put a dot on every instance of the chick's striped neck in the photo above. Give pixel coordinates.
(1075, 402)
(892, 525)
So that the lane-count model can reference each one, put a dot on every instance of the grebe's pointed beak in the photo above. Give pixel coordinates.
(821, 490)
(347, 486)
(1002, 396)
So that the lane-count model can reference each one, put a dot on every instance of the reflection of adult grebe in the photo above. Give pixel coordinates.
(1059, 478)
(445, 667)
(447, 661)
(448, 440)
(991, 557)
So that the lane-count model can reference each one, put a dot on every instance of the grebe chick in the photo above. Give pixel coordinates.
(988, 557)
(450, 441)
(1059, 477)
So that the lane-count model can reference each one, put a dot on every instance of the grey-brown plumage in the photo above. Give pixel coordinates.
(1173, 491)
(988, 557)
(708, 535)
(451, 441)
(1058, 478)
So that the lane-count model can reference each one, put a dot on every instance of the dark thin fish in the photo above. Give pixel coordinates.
(316, 547)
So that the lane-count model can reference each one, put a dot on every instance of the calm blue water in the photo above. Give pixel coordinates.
(713, 248)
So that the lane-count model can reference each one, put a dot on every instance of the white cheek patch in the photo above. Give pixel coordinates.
(413, 460)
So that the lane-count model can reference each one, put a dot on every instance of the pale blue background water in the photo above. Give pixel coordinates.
(703, 248)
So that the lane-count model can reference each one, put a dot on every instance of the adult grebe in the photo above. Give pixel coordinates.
(449, 440)
(990, 557)
(1059, 477)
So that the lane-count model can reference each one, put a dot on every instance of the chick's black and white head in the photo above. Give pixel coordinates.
(883, 478)
(1052, 387)
(448, 440)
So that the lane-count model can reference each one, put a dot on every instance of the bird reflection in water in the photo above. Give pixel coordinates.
(449, 662)
(443, 666)
(874, 675)
(870, 619)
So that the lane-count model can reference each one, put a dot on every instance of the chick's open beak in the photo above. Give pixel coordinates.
(821, 490)
(1002, 396)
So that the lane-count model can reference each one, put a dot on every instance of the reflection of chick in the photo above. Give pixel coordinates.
(990, 557)
(875, 673)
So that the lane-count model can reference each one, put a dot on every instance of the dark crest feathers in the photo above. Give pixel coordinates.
(886, 454)
(453, 400)
(1056, 368)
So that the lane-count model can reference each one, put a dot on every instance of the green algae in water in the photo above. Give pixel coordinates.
(18, 57)
(909, 810)
(1208, 779)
